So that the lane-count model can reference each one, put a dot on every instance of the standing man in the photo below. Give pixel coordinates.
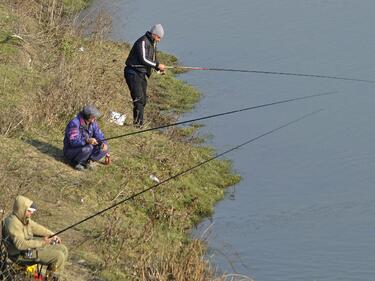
(139, 64)
(84, 141)
(20, 233)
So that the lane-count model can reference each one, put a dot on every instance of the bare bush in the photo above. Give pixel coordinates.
(101, 27)
(48, 12)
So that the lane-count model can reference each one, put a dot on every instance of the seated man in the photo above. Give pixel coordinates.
(84, 140)
(20, 232)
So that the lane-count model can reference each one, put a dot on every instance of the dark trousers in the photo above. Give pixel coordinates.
(80, 155)
(137, 84)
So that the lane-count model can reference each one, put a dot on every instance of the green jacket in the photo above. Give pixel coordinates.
(19, 231)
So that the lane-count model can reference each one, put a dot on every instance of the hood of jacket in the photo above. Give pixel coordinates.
(21, 204)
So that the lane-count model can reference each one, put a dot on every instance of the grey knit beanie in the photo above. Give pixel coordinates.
(158, 30)
(90, 110)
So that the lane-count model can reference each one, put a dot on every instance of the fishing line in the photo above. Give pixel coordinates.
(221, 114)
(269, 72)
(187, 170)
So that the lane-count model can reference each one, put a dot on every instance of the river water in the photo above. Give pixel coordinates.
(305, 208)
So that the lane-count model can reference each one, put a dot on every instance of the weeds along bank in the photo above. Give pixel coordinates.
(48, 70)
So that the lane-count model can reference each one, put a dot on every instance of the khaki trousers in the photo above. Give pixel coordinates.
(54, 256)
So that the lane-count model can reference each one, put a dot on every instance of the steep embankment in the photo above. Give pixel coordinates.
(48, 72)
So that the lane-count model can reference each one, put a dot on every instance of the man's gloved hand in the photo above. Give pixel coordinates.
(92, 141)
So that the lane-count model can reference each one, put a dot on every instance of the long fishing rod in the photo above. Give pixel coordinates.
(187, 170)
(221, 114)
(270, 72)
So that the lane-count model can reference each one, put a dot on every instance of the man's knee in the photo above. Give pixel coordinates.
(62, 248)
(65, 250)
(72, 154)
(138, 104)
(87, 149)
(54, 255)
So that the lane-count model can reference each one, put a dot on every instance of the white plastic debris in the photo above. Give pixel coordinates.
(81, 200)
(17, 36)
(154, 178)
(117, 118)
(81, 49)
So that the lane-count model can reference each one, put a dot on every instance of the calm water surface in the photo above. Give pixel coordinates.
(305, 208)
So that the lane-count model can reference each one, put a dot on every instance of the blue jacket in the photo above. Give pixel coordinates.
(77, 132)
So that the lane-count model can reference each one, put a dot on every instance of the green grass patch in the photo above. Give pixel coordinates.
(7, 20)
(174, 95)
(146, 236)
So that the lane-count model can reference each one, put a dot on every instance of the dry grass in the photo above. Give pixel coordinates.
(50, 73)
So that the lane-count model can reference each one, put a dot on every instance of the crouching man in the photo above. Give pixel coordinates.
(84, 141)
(21, 235)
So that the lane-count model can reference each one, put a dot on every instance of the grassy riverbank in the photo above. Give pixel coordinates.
(48, 72)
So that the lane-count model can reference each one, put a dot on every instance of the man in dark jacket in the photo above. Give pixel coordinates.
(20, 233)
(139, 64)
(84, 141)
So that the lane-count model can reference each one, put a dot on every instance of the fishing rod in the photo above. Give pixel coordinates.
(269, 72)
(221, 114)
(186, 171)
